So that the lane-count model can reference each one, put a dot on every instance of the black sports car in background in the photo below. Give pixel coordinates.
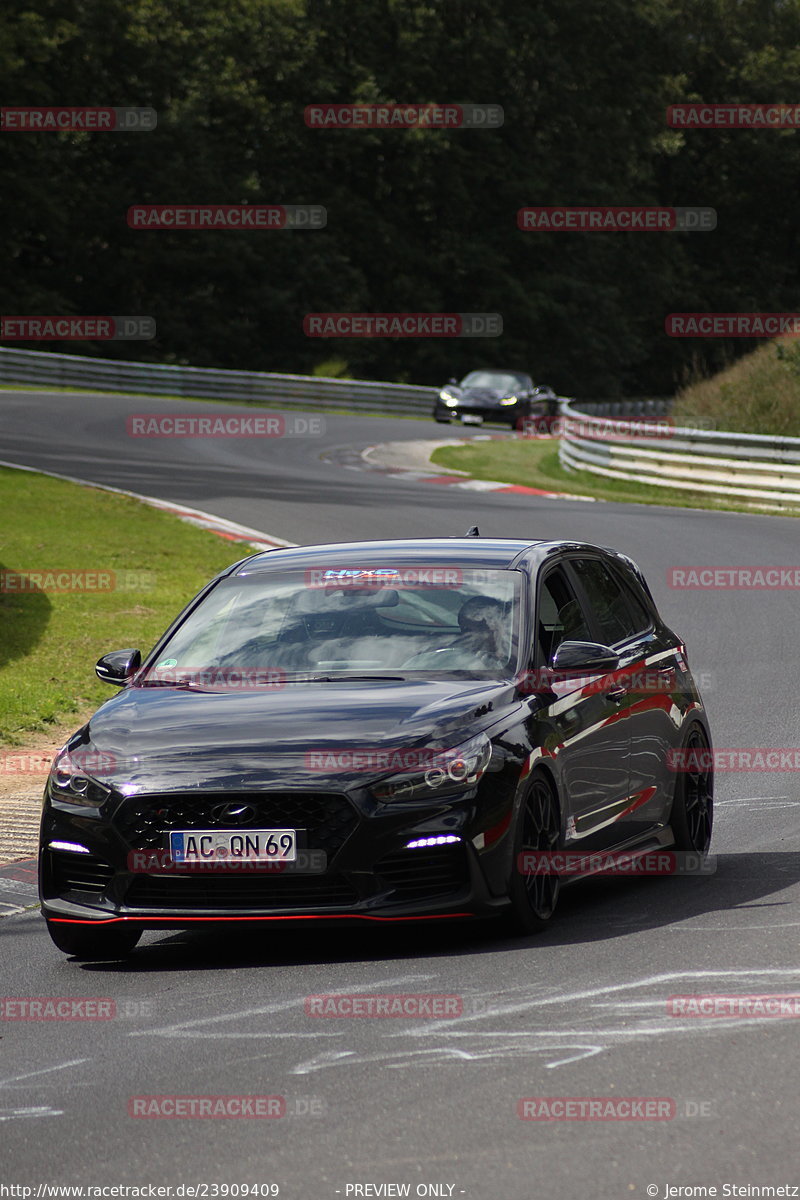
(381, 731)
(510, 397)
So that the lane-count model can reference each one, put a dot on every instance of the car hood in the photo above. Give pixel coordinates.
(157, 739)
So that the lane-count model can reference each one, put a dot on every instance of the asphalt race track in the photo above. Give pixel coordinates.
(578, 1012)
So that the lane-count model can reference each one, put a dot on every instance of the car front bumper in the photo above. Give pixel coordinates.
(509, 415)
(371, 876)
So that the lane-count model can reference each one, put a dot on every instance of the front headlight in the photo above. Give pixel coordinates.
(444, 773)
(448, 398)
(509, 400)
(69, 781)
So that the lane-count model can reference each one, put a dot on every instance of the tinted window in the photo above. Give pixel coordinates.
(641, 617)
(560, 617)
(612, 605)
(504, 380)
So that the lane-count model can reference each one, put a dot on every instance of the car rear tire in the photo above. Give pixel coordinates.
(84, 941)
(692, 816)
(534, 896)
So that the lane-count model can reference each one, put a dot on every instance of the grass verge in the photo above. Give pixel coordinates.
(759, 393)
(52, 640)
(534, 463)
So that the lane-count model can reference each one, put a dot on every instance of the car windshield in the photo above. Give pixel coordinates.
(493, 379)
(424, 621)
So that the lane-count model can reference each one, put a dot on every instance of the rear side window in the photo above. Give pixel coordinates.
(642, 619)
(618, 614)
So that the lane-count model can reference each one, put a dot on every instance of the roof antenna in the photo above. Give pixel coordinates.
(474, 532)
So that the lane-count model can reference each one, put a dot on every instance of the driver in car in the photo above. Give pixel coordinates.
(482, 644)
(482, 623)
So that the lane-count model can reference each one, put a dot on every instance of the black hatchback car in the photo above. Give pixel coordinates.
(377, 731)
(507, 397)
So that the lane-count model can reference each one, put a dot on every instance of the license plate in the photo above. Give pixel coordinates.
(471, 419)
(219, 845)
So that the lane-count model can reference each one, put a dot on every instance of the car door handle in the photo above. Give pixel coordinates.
(617, 695)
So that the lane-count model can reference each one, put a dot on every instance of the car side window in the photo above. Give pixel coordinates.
(612, 605)
(559, 616)
(642, 619)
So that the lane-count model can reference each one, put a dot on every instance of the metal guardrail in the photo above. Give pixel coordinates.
(644, 406)
(761, 471)
(102, 374)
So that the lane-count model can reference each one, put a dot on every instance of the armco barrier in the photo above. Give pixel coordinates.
(102, 374)
(762, 472)
(39, 367)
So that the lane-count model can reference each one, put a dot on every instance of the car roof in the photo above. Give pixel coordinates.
(461, 551)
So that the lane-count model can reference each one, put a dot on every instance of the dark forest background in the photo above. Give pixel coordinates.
(417, 220)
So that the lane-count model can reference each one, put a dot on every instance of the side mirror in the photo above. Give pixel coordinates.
(584, 658)
(452, 379)
(118, 666)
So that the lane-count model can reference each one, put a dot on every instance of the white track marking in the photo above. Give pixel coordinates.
(191, 1028)
(74, 1062)
(13, 1114)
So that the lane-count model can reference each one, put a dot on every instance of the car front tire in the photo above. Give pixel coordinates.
(87, 942)
(534, 895)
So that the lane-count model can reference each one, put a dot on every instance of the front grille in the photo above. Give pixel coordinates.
(329, 819)
(79, 873)
(237, 891)
(425, 873)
